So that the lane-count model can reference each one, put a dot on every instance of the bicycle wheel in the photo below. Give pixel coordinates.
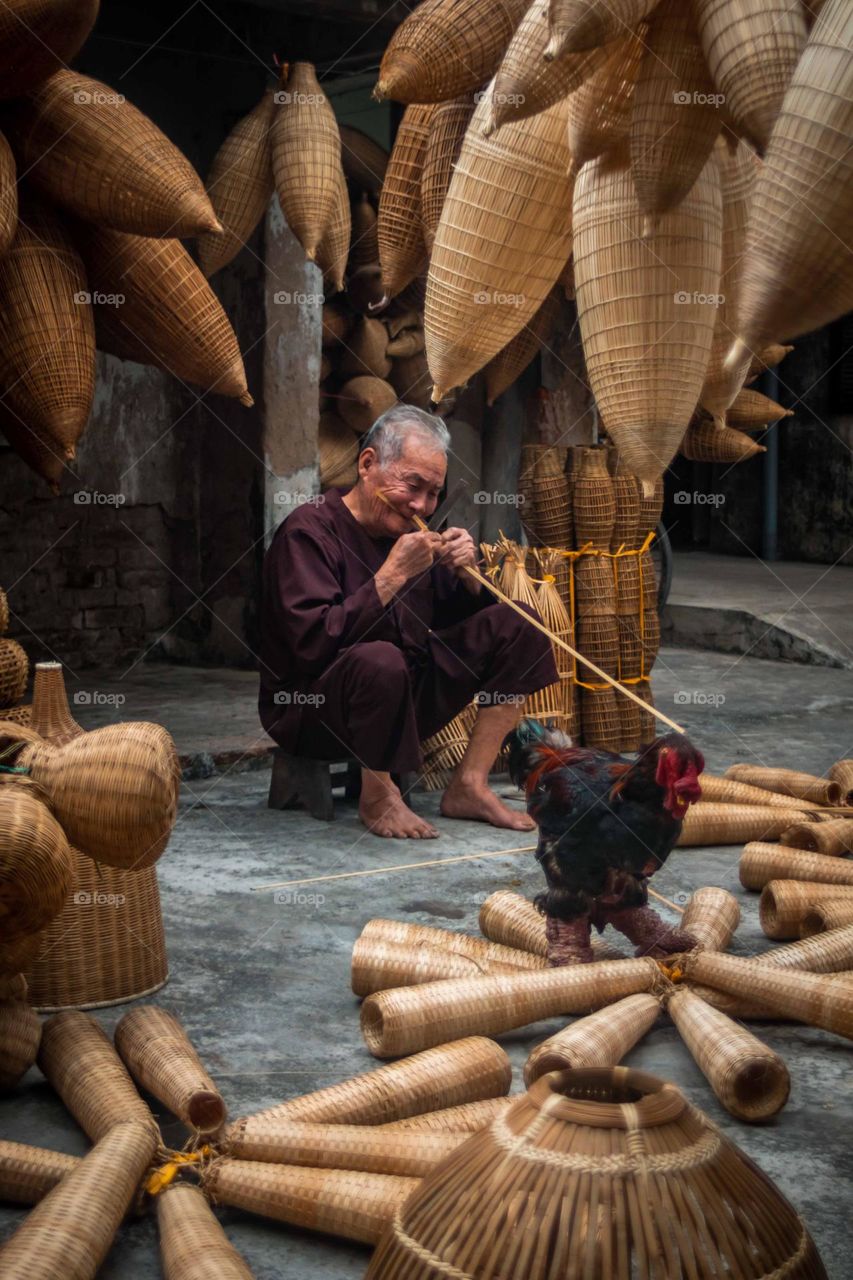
(662, 557)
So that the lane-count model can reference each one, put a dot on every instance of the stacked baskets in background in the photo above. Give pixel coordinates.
(14, 672)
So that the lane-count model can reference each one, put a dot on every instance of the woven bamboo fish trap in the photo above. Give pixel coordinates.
(601, 719)
(91, 151)
(551, 511)
(158, 1053)
(15, 957)
(51, 716)
(785, 903)
(444, 141)
(626, 524)
(752, 52)
(651, 505)
(413, 1018)
(596, 625)
(594, 500)
(370, 1148)
(600, 1040)
(364, 160)
(379, 964)
(728, 791)
(20, 1034)
(842, 773)
(788, 782)
(556, 617)
(767, 358)
(403, 252)
(362, 399)
(306, 156)
(712, 915)
(461, 944)
(797, 275)
(501, 244)
(646, 344)
(469, 1117)
(47, 353)
(364, 245)
(37, 38)
(445, 48)
(14, 671)
(8, 196)
(605, 1153)
(750, 1080)
(513, 921)
(366, 351)
(70, 1231)
(599, 111)
(240, 186)
(193, 1245)
(760, 863)
(16, 715)
(709, 823)
(27, 1173)
(833, 838)
(333, 250)
(338, 450)
(508, 365)
(674, 120)
(823, 917)
(468, 1070)
(81, 1064)
(35, 861)
(338, 1202)
(576, 25)
(707, 441)
(751, 410)
(444, 750)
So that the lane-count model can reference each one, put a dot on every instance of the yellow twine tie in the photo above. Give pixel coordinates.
(165, 1175)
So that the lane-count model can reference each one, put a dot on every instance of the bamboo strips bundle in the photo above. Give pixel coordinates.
(710, 823)
(842, 773)
(468, 1070)
(463, 944)
(28, 1173)
(240, 186)
(576, 25)
(823, 917)
(370, 1148)
(412, 1018)
(193, 1245)
(510, 919)
(833, 839)
(81, 1064)
(379, 964)
(20, 1034)
(468, 1117)
(599, 110)
(35, 860)
(712, 915)
(403, 253)
(784, 903)
(444, 142)
(600, 1040)
(728, 791)
(337, 1202)
(707, 441)
(159, 1055)
(750, 1080)
(760, 863)
(70, 1231)
(306, 155)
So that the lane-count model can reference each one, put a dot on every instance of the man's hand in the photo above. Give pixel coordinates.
(410, 554)
(457, 552)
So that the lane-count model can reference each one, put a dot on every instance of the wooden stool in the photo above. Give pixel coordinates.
(300, 782)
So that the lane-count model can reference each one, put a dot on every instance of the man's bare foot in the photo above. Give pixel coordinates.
(472, 798)
(384, 812)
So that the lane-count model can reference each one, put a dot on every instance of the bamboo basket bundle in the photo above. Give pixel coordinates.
(468, 1117)
(366, 351)
(468, 1070)
(447, 128)
(833, 839)
(378, 964)
(709, 823)
(823, 917)
(403, 251)
(35, 861)
(306, 156)
(651, 636)
(445, 48)
(14, 671)
(91, 151)
(842, 773)
(20, 1034)
(726, 790)
(510, 919)
(338, 1202)
(170, 316)
(443, 750)
(70, 1231)
(412, 1018)
(240, 186)
(750, 1080)
(38, 38)
(501, 243)
(81, 1064)
(797, 277)
(674, 120)
(47, 353)
(333, 250)
(370, 1148)
(708, 441)
(576, 25)
(556, 617)
(114, 790)
(8, 196)
(594, 500)
(582, 1175)
(462, 944)
(193, 1245)
(784, 903)
(364, 244)
(600, 1040)
(28, 1173)
(411, 379)
(50, 715)
(750, 411)
(601, 719)
(596, 627)
(788, 782)
(760, 863)
(552, 510)
(599, 111)
(712, 915)
(338, 449)
(362, 400)
(336, 325)
(646, 345)
(508, 365)
(409, 343)
(767, 358)
(626, 522)
(158, 1053)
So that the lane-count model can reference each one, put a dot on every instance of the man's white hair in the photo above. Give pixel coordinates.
(396, 426)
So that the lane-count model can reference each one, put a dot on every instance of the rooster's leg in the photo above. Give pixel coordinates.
(568, 941)
(651, 935)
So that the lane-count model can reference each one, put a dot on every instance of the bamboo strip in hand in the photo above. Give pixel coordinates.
(370, 1148)
(761, 863)
(193, 1245)
(783, 904)
(28, 1173)
(789, 782)
(600, 1040)
(159, 1055)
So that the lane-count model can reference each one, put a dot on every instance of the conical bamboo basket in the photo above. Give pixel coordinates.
(761, 863)
(14, 671)
(797, 274)
(51, 715)
(370, 1148)
(600, 1040)
(594, 500)
(158, 1054)
(364, 245)
(444, 142)
(833, 839)
(726, 790)
(333, 249)
(336, 325)
(38, 38)
(20, 1035)
(80, 1062)
(501, 244)
(712, 916)
(508, 365)
(35, 860)
(601, 719)
(306, 155)
(767, 358)
(465, 1071)
(411, 379)
(582, 1176)
(444, 750)
(646, 348)
(379, 965)
(70, 1231)
(750, 1080)
(445, 48)
(339, 1202)
(626, 525)
(193, 1245)
(784, 904)
(823, 917)
(28, 1173)
(708, 441)
(842, 773)
(240, 186)
(361, 400)
(751, 411)
(468, 1117)
(412, 1018)
(511, 920)
(402, 249)
(410, 342)
(366, 351)
(446, 940)
(710, 823)
(600, 109)
(576, 25)
(788, 782)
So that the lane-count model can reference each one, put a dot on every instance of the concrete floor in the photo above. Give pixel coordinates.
(262, 986)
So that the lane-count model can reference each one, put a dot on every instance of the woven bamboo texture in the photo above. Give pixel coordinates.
(170, 316)
(336, 325)
(827, 953)
(379, 964)
(751, 410)
(443, 751)
(47, 352)
(760, 863)
(20, 1034)
(240, 186)
(14, 670)
(91, 151)
(337, 1202)
(370, 1148)
(511, 920)
(366, 350)
(8, 196)
(16, 715)
(711, 823)
(38, 36)
(784, 903)
(600, 109)
(626, 525)
(468, 1117)
(842, 773)
(408, 343)
(159, 1055)
(333, 249)
(708, 441)
(362, 399)
(15, 957)
(81, 1064)
(444, 142)
(594, 502)
(35, 860)
(411, 379)
(306, 156)
(576, 25)
(767, 358)
(725, 790)
(508, 365)
(466, 1071)
(712, 915)
(600, 1040)
(193, 1245)
(833, 838)
(798, 274)
(750, 1080)
(823, 917)
(70, 1231)
(51, 715)
(590, 1173)
(446, 48)
(646, 331)
(412, 1018)
(27, 1173)
(402, 249)
(501, 243)
(463, 944)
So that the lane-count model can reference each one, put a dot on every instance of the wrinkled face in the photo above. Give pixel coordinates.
(411, 483)
(678, 768)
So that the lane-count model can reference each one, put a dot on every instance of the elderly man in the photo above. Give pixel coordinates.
(374, 637)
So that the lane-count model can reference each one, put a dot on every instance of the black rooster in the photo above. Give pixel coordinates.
(606, 824)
